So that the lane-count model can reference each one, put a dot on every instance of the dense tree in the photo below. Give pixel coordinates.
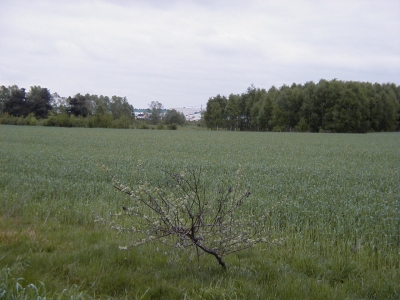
(347, 112)
(83, 111)
(326, 106)
(330, 106)
(174, 117)
(283, 110)
(249, 100)
(155, 110)
(389, 109)
(15, 104)
(302, 126)
(120, 107)
(38, 101)
(215, 115)
(59, 104)
(4, 96)
(232, 112)
(307, 107)
(265, 114)
(102, 117)
(78, 105)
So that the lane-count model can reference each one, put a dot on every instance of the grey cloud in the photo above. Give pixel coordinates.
(183, 52)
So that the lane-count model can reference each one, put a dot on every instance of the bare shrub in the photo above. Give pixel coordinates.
(185, 214)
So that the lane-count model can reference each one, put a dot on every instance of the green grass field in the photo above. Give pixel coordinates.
(337, 213)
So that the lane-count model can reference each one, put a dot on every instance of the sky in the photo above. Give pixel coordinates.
(181, 53)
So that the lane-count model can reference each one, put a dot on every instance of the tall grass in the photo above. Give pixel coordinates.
(338, 214)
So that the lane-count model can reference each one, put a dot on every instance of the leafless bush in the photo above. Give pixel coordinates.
(185, 214)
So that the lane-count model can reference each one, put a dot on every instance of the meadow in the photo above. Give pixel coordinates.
(335, 199)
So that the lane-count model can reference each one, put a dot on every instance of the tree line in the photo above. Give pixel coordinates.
(326, 106)
(17, 106)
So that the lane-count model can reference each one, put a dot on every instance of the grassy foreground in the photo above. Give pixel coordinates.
(338, 214)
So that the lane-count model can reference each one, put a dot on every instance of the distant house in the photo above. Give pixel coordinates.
(191, 113)
(196, 116)
(143, 113)
(140, 114)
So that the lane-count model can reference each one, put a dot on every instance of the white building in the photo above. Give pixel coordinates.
(191, 113)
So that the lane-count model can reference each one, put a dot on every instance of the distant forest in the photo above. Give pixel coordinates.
(326, 106)
(38, 106)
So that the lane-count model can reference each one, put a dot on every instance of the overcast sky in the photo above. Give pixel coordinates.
(181, 53)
